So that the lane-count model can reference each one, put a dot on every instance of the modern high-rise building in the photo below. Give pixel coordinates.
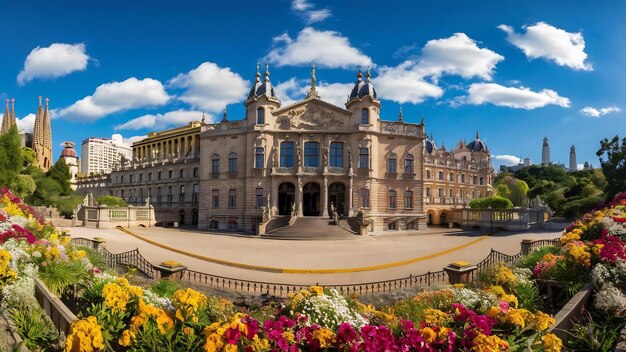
(545, 152)
(100, 155)
(572, 159)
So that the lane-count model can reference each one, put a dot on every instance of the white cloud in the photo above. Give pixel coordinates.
(593, 112)
(508, 160)
(27, 123)
(116, 96)
(323, 48)
(294, 90)
(210, 87)
(404, 85)
(456, 55)
(544, 40)
(162, 121)
(54, 61)
(305, 10)
(133, 139)
(518, 98)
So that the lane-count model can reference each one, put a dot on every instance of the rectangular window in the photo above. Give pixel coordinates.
(408, 165)
(130, 178)
(159, 175)
(215, 168)
(195, 172)
(259, 197)
(149, 176)
(195, 194)
(181, 173)
(170, 174)
(286, 154)
(311, 154)
(365, 117)
(408, 200)
(364, 158)
(392, 199)
(259, 158)
(336, 154)
(140, 177)
(391, 165)
(216, 198)
(232, 164)
(122, 179)
(232, 198)
(365, 198)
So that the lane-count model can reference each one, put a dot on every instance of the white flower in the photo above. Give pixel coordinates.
(610, 299)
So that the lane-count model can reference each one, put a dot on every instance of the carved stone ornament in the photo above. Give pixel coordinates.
(309, 117)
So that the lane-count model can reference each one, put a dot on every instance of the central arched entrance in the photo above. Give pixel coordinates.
(286, 197)
(311, 199)
(337, 197)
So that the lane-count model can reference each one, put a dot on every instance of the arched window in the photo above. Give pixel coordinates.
(336, 154)
(391, 199)
(215, 166)
(440, 175)
(260, 116)
(232, 198)
(232, 162)
(408, 164)
(441, 194)
(391, 163)
(482, 181)
(365, 117)
(428, 192)
(428, 174)
(364, 158)
(451, 177)
(312, 154)
(451, 193)
(408, 200)
(259, 157)
(286, 154)
(462, 178)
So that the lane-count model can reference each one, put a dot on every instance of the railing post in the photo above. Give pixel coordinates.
(525, 246)
(98, 243)
(170, 270)
(459, 272)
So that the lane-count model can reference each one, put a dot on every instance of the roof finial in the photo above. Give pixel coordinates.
(47, 100)
(13, 104)
(359, 75)
(400, 117)
(267, 73)
(368, 75)
(225, 116)
(203, 118)
(477, 137)
(258, 72)
(431, 136)
(312, 91)
(422, 119)
(7, 101)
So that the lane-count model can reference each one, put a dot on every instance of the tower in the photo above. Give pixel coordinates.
(8, 120)
(70, 158)
(545, 152)
(42, 137)
(572, 159)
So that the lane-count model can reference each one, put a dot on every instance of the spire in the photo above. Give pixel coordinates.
(258, 73)
(312, 91)
(225, 116)
(422, 119)
(5, 119)
(400, 117)
(12, 120)
(477, 136)
(267, 73)
(368, 75)
(47, 131)
(431, 136)
(203, 118)
(359, 75)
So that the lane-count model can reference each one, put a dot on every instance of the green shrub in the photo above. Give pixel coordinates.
(531, 260)
(591, 334)
(578, 206)
(494, 202)
(59, 275)
(35, 328)
(111, 201)
(165, 288)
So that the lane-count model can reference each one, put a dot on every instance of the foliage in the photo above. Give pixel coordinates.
(10, 156)
(614, 166)
(591, 334)
(576, 207)
(494, 202)
(165, 288)
(531, 260)
(60, 172)
(111, 201)
(23, 185)
(28, 157)
(34, 328)
(66, 204)
(60, 275)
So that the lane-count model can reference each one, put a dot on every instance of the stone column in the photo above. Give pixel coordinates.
(325, 197)
(299, 198)
(274, 197)
(349, 198)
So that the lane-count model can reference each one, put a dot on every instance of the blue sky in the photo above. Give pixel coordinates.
(514, 70)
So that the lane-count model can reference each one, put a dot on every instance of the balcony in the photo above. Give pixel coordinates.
(364, 172)
(408, 176)
(391, 175)
(232, 174)
(258, 172)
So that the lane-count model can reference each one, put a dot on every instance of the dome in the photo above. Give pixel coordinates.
(363, 88)
(262, 88)
(430, 145)
(477, 145)
(68, 151)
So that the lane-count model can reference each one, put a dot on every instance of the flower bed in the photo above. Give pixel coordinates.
(115, 314)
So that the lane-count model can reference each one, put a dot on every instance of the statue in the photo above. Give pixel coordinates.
(266, 213)
(148, 202)
(273, 156)
(325, 156)
(349, 157)
(298, 155)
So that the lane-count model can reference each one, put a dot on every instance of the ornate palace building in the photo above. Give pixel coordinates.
(452, 178)
(311, 158)
(307, 159)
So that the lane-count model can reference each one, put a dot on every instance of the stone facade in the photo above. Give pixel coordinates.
(311, 157)
(453, 178)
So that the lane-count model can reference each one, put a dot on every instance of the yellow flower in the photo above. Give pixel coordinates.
(484, 343)
(517, 317)
(543, 321)
(146, 312)
(127, 337)
(428, 334)
(505, 276)
(493, 312)
(289, 336)
(318, 290)
(65, 239)
(7, 275)
(188, 303)
(52, 253)
(551, 343)
(325, 337)
(435, 317)
(502, 295)
(259, 344)
(11, 208)
(85, 336)
(115, 297)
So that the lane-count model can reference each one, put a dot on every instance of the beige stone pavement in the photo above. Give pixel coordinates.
(371, 250)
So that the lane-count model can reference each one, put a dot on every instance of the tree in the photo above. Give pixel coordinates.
(494, 202)
(60, 172)
(28, 157)
(23, 185)
(503, 191)
(614, 166)
(111, 201)
(10, 156)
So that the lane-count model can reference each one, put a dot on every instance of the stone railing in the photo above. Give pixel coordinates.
(107, 218)
(517, 219)
(60, 315)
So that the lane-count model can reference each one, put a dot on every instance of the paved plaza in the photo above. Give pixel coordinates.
(424, 252)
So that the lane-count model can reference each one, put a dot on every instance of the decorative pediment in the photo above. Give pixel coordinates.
(312, 115)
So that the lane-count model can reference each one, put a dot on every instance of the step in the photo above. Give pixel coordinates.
(311, 228)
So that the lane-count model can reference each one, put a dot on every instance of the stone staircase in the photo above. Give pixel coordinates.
(311, 228)
(277, 223)
(350, 224)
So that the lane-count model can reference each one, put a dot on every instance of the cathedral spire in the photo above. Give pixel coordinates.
(312, 91)
(258, 73)
(5, 119)
(400, 117)
(12, 120)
